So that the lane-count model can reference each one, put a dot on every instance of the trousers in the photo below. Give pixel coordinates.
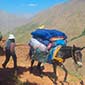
(8, 55)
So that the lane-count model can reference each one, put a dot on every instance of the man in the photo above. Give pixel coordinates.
(10, 51)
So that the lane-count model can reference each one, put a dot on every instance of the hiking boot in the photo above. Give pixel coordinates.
(3, 66)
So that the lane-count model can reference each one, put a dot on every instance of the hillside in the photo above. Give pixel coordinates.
(67, 17)
(9, 22)
(24, 77)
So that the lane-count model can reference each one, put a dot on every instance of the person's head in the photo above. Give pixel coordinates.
(11, 37)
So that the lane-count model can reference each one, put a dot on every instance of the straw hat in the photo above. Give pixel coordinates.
(41, 26)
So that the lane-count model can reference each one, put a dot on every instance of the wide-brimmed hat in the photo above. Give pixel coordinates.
(11, 36)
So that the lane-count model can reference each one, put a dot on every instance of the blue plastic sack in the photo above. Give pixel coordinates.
(46, 34)
(41, 33)
(56, 33)
(59, 42)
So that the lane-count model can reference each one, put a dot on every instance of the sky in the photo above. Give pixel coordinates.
(27, 6)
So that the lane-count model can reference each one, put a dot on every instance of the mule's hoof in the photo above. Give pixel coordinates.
(41, 75)
(64, 81)
(3, 66)
(42, 67)
(54, 83)
(31, 70)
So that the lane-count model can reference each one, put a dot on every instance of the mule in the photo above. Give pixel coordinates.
(67, 52)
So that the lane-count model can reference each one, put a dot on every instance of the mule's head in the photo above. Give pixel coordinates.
(77, 55)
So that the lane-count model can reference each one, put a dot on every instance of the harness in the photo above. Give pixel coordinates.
(55, 54)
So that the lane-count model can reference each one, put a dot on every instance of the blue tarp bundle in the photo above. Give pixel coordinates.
(41, 33)
(46, 34)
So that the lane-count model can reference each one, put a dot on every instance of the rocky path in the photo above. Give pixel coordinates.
(33, 78)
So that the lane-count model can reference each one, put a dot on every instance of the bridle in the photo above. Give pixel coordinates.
(76, 57)
(73, 55)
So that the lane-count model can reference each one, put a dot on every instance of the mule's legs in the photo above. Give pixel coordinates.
(32, 62)
(31, 50)
(40, 69)
(39, 65)
(66, 72)
(55, 74)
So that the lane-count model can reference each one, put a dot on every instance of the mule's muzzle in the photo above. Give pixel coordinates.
(79, 64)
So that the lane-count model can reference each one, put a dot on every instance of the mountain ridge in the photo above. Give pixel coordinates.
(9, 22)
(67, 17)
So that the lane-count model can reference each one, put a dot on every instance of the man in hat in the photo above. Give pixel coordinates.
(10, 51)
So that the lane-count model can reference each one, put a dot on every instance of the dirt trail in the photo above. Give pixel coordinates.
(33, 78)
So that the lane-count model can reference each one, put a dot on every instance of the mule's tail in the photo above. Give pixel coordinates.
(29, 54)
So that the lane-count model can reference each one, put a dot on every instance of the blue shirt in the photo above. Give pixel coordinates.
(8, 42)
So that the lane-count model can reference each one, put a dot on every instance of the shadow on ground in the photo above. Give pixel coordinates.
(9, 76)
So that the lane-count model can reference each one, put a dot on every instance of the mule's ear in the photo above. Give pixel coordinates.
(82, 48)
